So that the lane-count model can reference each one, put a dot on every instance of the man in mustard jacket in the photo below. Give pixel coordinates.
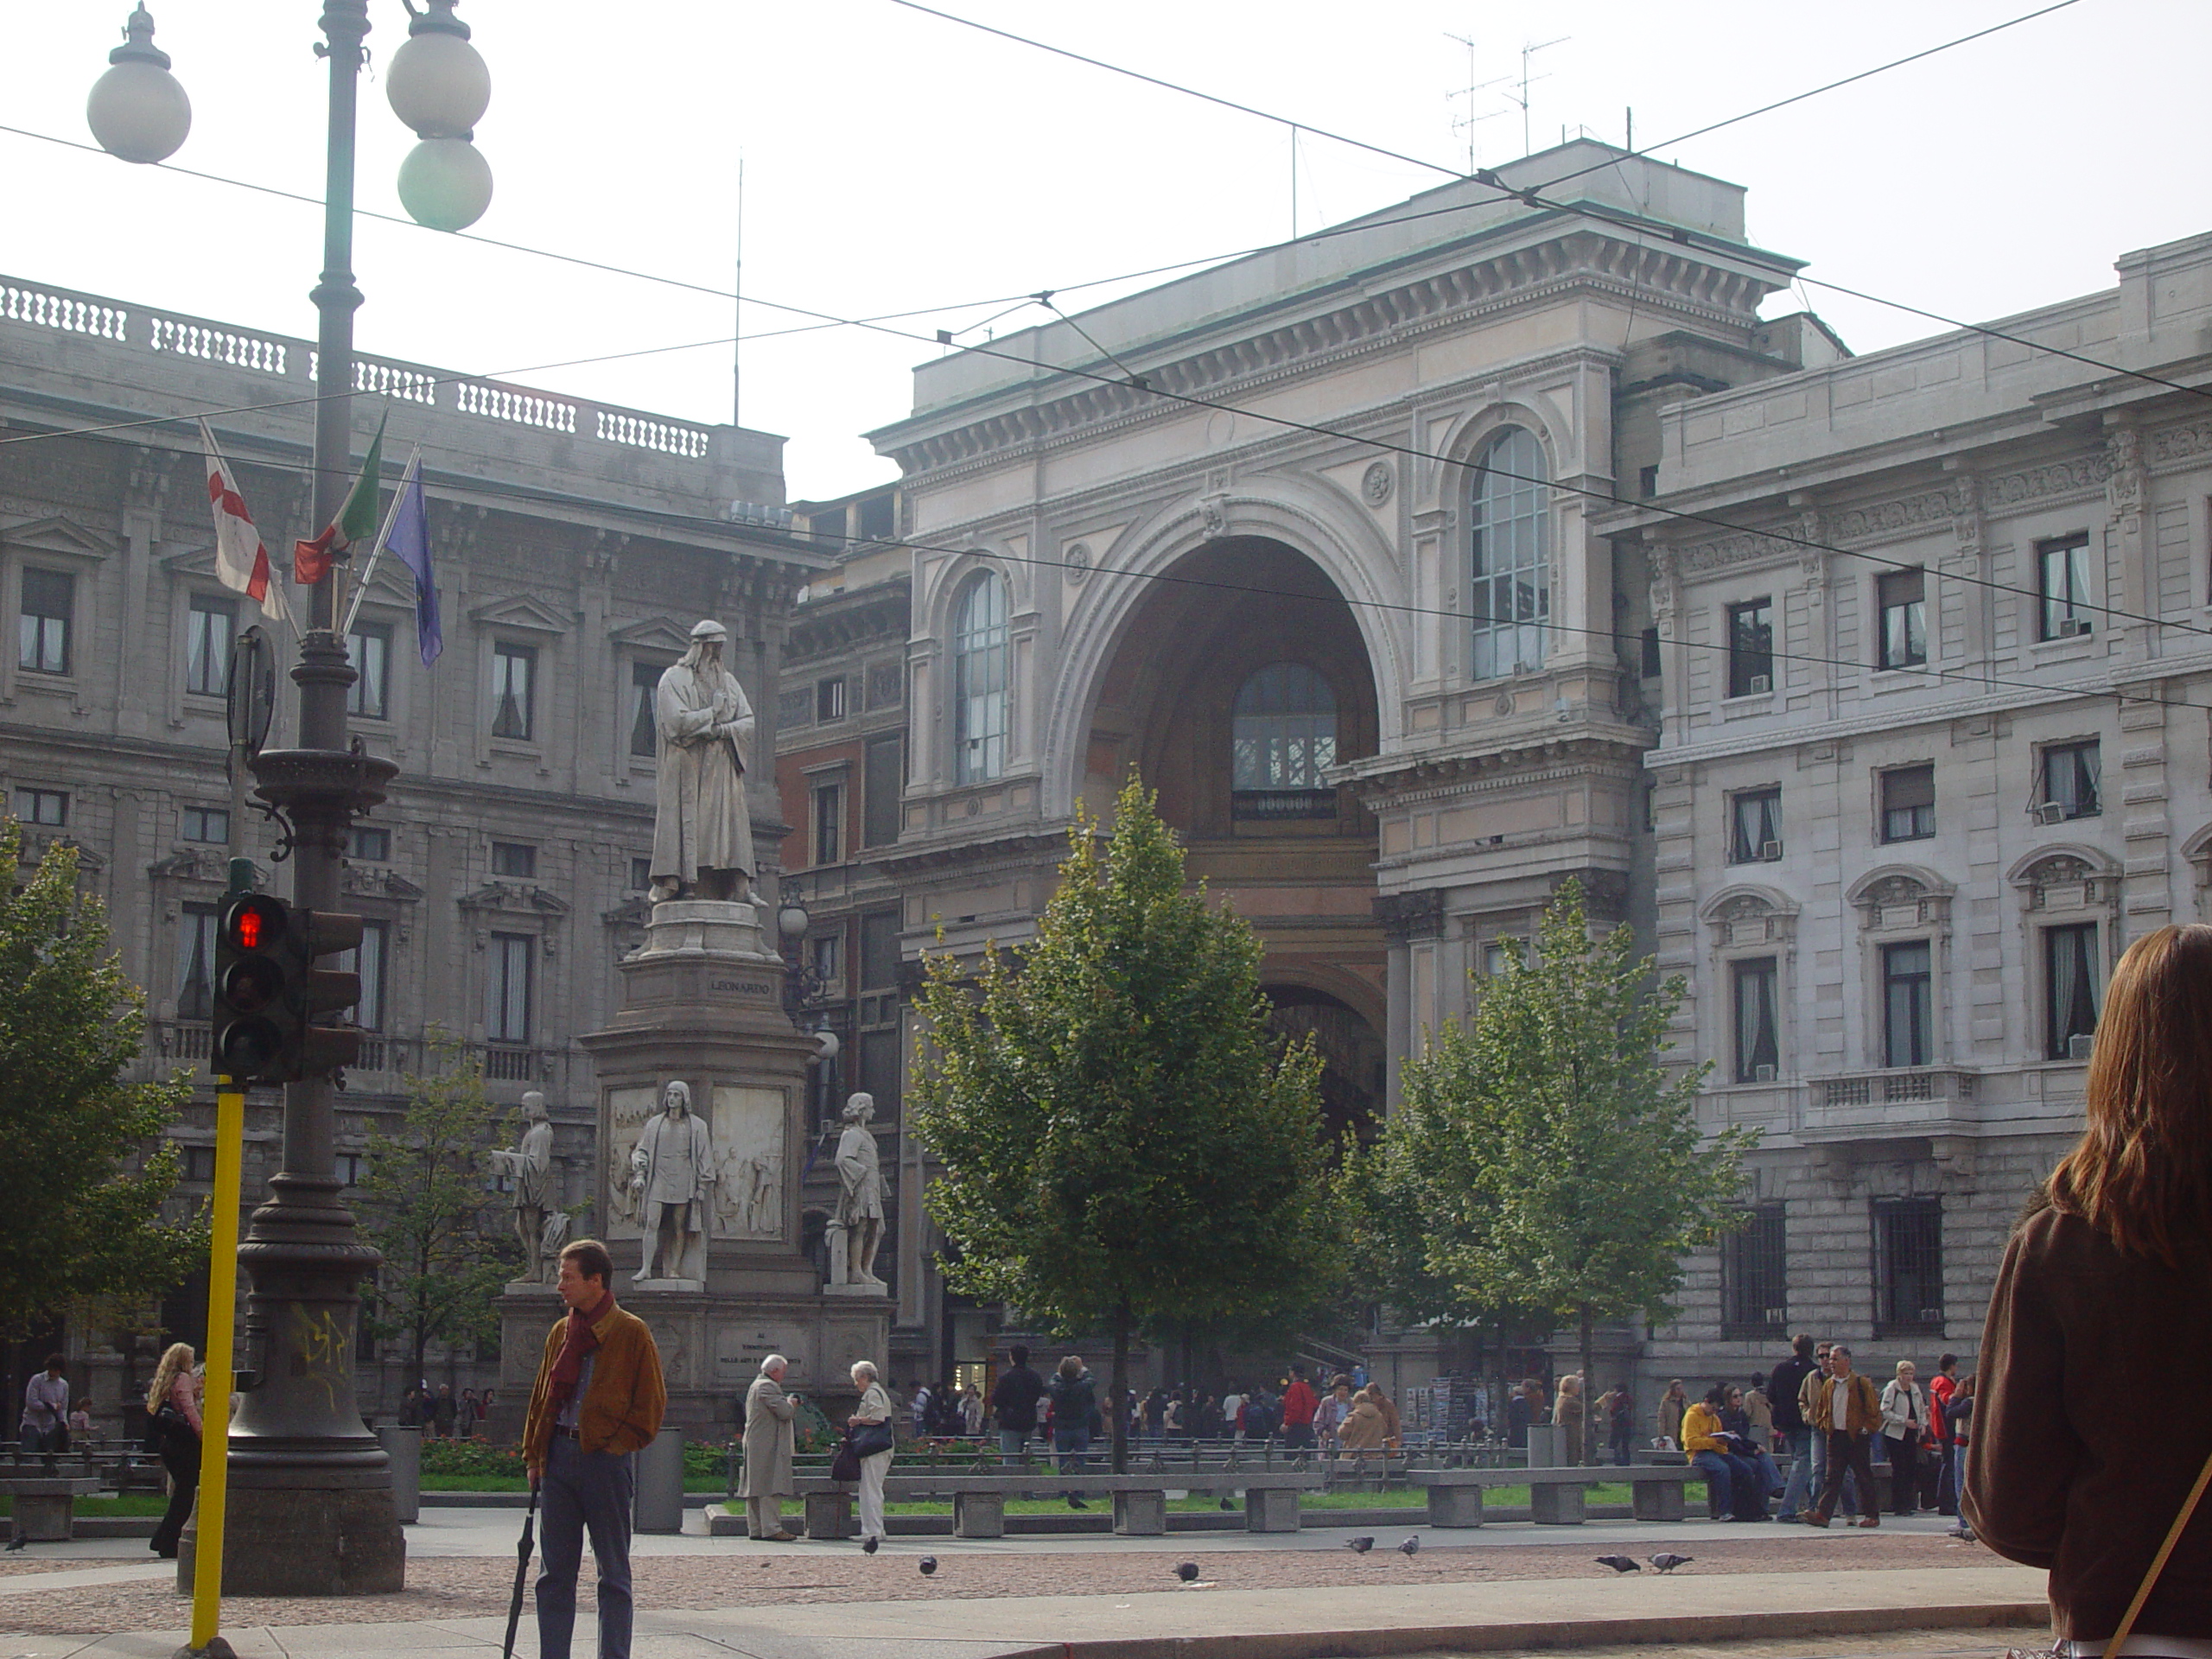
(1847, 1410)
(598, 1398)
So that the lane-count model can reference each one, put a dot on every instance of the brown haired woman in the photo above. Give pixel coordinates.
(2110, 1273)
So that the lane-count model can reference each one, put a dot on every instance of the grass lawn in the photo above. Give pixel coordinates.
(153, 1503)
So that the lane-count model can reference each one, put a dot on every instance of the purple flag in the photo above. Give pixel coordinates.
(409, 542)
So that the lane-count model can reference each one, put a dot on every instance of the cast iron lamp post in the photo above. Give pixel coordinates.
(310, 1508)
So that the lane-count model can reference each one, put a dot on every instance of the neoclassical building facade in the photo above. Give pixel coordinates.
(1489, 541)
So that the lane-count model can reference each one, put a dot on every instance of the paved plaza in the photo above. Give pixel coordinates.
(1501, 1589)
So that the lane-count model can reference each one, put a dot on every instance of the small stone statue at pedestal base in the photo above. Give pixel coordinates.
(855, 1228)
(672, 1172)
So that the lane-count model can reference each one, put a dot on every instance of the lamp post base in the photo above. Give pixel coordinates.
(302, 1541)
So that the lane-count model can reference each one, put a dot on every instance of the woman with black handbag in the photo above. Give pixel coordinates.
(869, 1435)
(2109, 1274)
(173, 1403)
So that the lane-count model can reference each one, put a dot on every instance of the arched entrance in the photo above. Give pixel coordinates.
(1235, 687)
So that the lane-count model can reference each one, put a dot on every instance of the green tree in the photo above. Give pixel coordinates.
(1545, 1156)
(422, 1202)
(1125, 1143)
(89, 1172)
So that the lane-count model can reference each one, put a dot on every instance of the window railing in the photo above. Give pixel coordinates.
(1271, 805)
(385, 1060)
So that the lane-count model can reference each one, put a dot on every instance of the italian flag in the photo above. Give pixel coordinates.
(241, 562)
(356, 521)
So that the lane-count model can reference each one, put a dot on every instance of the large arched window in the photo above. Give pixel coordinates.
(1283, 737)
(1509, 586)
(979, 680)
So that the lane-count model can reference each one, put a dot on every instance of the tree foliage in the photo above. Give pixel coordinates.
(1545, 1156)
(1126, 1145)
(422, 1202)
(89, 1172)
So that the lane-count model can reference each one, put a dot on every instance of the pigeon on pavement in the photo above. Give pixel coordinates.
(18, 1544)
(1187, 1571)
(868, 1549)
(1228, 1503)
(1620, 1563)
(1666, 1561)
(928, 1564)
(1411, 1547)
(1360, 1545)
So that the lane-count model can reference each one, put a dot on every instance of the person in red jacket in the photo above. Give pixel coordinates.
(1300, 1402)
(1943, 1389)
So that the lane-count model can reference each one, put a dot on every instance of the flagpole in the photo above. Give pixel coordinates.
(391, 517)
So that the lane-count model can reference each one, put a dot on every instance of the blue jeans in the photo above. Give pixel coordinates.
(584, 1491)
(1074, 1446)
(1947, 1479)
(1800, 1489)
(1736, 1477)
(1014, 1443)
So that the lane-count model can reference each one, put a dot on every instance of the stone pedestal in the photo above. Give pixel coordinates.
(1556, 1503)
(1142, 1515)
(979, 1514)
(1455, 1506)
(1271, 1508)
(1654, 1500)
(703, 1002)
(829, 1515)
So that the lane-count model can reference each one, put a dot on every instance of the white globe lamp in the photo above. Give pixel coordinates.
(138, 109)
(444, 184)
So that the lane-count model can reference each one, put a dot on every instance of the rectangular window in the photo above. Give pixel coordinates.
(49, 603)
(829, 700)
(883, 781)
(199, 1163)
(207, 630)
(514, 675)
(1751, 648)
(644, 683)
(369, 648)
(828, 822)
(879, 951)
(514, 858)
(48, 807)
(2062, 586)
(352, 1168)
(370, 844)
(825, 955)
(2070, 774)
(1758, 1035)
(1900, 595)
(1755, 826)
(1651, 666)
(507, 989)
(1500, 957)
(876, 516)
(1908, 1009)
(2070, 955)
(641, 873)
(367, 960)
(211, 824)
(1908, 803)
(195, 974)
(1754, 1278)
(828, 525)
(1908, 1266)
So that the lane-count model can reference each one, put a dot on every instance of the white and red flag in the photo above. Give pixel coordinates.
(241, 562)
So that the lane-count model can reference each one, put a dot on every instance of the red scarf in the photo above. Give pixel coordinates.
(578, 1338)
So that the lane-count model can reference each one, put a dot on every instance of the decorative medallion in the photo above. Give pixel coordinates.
(1077, 561)
(1374, 483)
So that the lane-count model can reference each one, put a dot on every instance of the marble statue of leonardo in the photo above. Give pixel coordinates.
(702, 831)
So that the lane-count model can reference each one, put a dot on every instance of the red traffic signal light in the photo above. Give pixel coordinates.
(251, 1021)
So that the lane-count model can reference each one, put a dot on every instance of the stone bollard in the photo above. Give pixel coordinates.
(659, 1505)
(404, 1448)
(1547, 1446)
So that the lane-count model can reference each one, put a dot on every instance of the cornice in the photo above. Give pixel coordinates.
(1006, 851)
(1649, 277)
(1407, 779)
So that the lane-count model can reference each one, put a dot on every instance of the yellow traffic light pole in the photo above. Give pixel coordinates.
(215, 1408)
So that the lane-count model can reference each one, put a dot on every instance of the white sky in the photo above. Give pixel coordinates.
(895, 161)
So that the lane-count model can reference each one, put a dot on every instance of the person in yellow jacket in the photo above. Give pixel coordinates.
(1710, 1448)
(1846, 1409)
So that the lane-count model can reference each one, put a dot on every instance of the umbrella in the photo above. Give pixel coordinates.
(522, 1573)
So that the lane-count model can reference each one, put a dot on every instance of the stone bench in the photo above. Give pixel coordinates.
(46, 1505)
(1140, 1501)
(1557, 1497)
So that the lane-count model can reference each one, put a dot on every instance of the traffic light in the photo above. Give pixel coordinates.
(270, 995)
(251, 1016)
(316, 1050)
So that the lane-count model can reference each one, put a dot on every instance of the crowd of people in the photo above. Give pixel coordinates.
(439, 1415)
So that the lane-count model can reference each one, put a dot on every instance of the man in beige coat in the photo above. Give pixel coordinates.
(768, 1442)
